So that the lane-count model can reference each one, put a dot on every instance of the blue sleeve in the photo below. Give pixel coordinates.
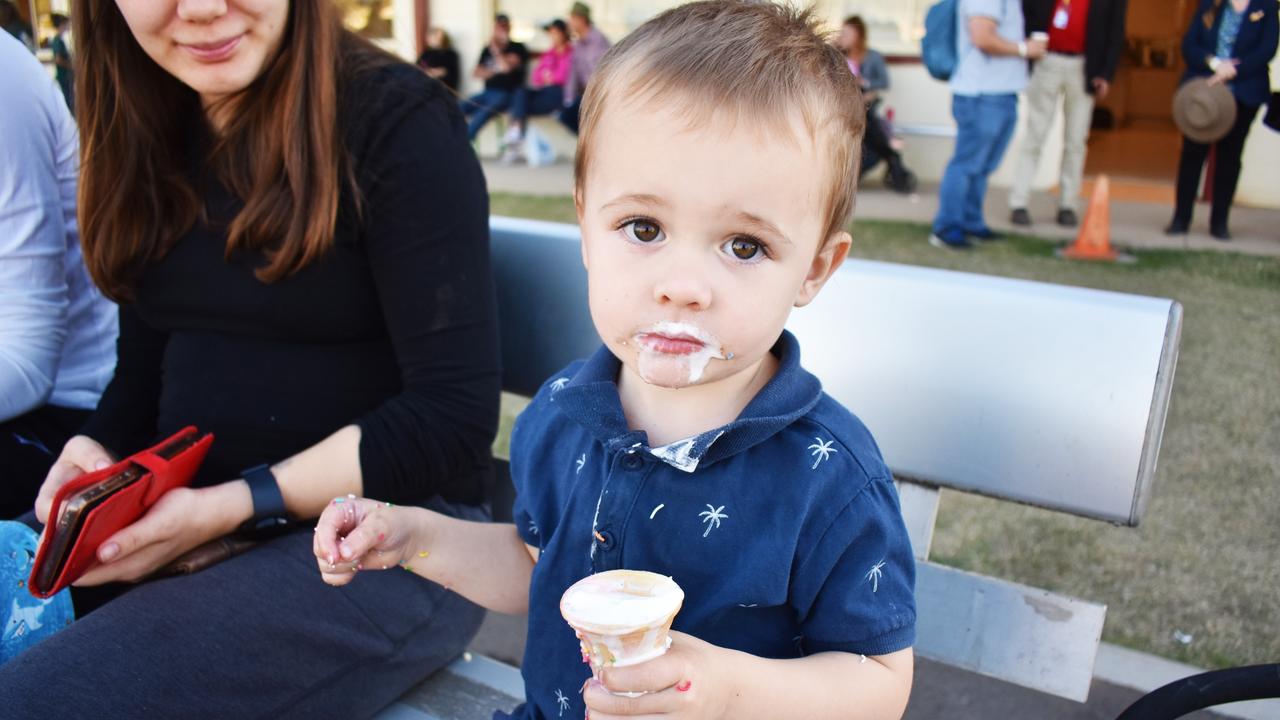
(522, 512)
(1197, 44)
(993, 9)
(38, 134)
(1254, 60)
(534, 507)
(876, 71)
(855, 592)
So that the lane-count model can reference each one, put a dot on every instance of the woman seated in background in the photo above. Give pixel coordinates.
(873, 75)
(439, 60)
(545, 92)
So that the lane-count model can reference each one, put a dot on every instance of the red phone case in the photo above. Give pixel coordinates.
(118, 511)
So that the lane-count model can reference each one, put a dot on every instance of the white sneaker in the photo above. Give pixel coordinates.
(513, 153)
(513, 136)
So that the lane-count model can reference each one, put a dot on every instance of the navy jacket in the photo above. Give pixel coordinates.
(1255, 46)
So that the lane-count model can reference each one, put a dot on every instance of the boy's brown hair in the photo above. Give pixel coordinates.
(758, 61)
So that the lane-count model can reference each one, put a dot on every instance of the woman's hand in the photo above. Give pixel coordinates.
(80, 455)
(356, 534)
(692, 680)
(182, 519)
(1225, 72)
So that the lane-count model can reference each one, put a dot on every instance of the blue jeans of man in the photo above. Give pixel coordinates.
(481, 107)
(985, 125)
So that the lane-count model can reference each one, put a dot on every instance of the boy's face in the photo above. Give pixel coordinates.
(699, 241)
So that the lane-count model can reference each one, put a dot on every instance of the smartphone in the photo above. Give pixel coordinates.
(77, 506)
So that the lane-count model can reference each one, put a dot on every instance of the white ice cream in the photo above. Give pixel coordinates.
(656, 366)
(621, 601)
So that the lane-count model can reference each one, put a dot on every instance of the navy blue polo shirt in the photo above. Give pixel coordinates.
(782, 527)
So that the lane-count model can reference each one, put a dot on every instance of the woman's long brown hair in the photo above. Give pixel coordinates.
(280, 151)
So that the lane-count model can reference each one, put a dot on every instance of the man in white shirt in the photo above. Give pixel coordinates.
(57, 333)
(991, 71)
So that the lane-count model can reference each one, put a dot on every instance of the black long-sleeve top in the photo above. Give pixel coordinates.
(394, 329)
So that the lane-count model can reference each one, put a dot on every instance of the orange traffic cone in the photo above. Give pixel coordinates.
(1094, 240)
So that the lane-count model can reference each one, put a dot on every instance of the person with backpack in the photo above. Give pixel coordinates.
(988, 70)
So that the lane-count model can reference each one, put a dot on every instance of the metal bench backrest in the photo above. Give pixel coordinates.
(1049, 395)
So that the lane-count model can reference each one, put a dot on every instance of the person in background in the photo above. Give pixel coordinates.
(501, 67)
(439, 60)
(873, 77)
(991, 71)
(589, 45)
(1086, 38)
(57, 332)
(545, 92)
(64, 71)
(13, 24)
(1229, 42)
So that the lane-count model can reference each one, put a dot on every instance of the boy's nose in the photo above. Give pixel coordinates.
(683, 291)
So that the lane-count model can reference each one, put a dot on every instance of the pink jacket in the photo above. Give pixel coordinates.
(553, 67)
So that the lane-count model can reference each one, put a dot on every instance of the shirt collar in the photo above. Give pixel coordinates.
(591, 399)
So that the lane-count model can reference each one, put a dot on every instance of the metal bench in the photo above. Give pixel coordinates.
(1041, 394)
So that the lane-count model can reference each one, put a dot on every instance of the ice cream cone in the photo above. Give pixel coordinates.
(622, 617)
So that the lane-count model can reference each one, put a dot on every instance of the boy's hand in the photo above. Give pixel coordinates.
(356, 534)
(692, 680)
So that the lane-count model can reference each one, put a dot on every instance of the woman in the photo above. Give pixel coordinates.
(296, 229)
(545, 92)
(439, 60)
(873, 75)
(1232, 42)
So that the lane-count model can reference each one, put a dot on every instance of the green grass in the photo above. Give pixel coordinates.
(1206, 559)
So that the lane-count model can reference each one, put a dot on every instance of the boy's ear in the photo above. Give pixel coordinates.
(578, 208)
(824, 265)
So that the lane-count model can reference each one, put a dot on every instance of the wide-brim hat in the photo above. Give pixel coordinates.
(1204, 112)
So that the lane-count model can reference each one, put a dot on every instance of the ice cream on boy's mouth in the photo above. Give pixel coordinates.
(622, 617)
(689, 346)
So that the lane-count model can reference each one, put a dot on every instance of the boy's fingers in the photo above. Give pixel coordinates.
(657, 674)
(604, 704)
(364, 538)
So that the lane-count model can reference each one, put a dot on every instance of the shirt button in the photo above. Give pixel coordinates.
(606, 540)
(632, 462)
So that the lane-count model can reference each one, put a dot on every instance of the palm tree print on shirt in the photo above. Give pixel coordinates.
(874, 575)
(582, 460)
(712, 517)
(562, 701)
(821, 450)
(559, 384)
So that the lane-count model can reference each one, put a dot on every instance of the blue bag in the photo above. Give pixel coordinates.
(938, 46)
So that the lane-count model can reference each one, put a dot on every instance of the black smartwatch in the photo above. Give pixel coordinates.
(268, 503)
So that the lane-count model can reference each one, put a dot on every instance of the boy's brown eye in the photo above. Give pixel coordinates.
(743, 248)
(645, 231)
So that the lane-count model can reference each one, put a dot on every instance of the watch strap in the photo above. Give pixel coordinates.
(268, 502)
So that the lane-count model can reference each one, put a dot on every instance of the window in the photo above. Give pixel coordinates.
(371, 19)
(894, 27)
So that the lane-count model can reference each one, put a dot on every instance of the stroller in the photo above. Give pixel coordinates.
(880, 145)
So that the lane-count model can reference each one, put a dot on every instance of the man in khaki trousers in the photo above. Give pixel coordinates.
(1086, 38)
